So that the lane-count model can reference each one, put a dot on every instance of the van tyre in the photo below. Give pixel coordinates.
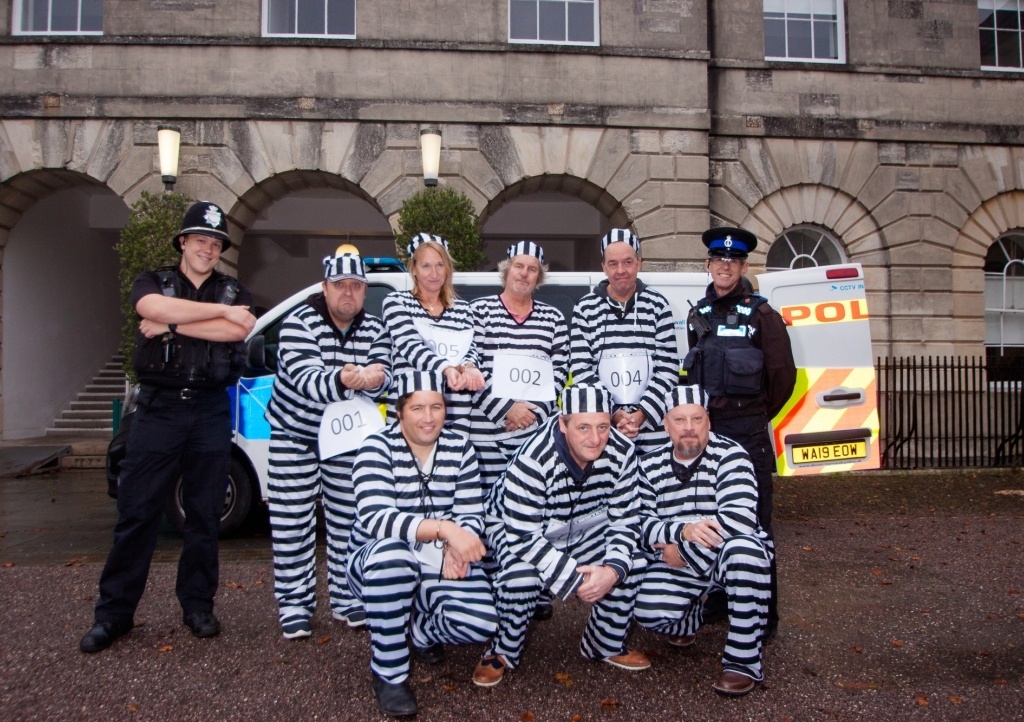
(237, 501)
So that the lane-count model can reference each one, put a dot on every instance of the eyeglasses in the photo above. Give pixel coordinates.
(720, 261)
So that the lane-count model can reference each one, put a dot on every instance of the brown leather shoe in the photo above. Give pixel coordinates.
(489, 670)
(683, 640)
(631, 660)
(733, 684)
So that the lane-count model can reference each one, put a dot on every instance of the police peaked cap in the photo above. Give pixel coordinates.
(206, 219)
(586, 399)
(729, 242)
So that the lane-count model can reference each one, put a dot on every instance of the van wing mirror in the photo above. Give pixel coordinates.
(256, 356)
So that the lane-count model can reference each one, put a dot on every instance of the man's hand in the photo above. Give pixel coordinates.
(628, 423)
(704, 532)
(671, 556)
(454, 379)
(464, 546)
(152, 329)
(240, 316)
(598, 580)
(351, 377)
(372, 375)
(520, 416)
(472, 379)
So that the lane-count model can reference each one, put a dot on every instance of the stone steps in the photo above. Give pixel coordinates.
(88, 417)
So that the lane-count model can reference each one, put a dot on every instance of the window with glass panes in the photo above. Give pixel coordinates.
(558, 22)
(999, 32)
(310, 18)
(58, 17)
(809, 30)
(803, 247)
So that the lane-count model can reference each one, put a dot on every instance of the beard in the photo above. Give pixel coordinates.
(688, 447)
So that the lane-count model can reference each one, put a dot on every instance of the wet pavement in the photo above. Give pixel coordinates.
(902, 598)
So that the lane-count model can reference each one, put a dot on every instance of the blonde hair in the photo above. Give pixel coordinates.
(447, 294)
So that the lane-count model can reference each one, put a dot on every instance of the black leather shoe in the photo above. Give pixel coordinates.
(102, 635)
(394, 700)
(202, 624)
(543, 612)
(434, 654)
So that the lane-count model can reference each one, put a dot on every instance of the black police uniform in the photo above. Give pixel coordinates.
(182, 428)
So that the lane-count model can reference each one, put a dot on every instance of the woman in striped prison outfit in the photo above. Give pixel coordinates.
(331, 355)
(432, 330)
(699, 528)
(524, 357)
(565, 517)
(417, 541)
(623, 338)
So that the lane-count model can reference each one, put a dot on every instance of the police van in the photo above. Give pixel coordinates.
(829, 424)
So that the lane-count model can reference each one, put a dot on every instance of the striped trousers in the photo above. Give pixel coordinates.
(669, 600)
(297, 480)
(517, 588)
(399, 599)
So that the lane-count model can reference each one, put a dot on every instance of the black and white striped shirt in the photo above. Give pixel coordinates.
(310, 356)
(401, 312)
(393, 497)
(538, 494)
(543, 333)
(722, 487)
(644, 324)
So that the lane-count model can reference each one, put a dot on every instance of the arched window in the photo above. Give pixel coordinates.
(1004, 296)
(803, 247)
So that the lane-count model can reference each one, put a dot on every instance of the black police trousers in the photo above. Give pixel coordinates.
(174, 434)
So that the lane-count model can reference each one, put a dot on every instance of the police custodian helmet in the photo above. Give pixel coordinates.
(206, 219)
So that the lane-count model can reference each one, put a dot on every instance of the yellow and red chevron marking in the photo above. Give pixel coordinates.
(802, 415)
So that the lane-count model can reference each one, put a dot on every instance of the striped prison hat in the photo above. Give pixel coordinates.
(413, 381)
(586, 399)
(682, 395)
(620, 235)
(525, 248)
(342, 266)
(420, 238)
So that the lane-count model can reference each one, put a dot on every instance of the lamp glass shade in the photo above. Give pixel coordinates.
(168, 141)
(430, 146)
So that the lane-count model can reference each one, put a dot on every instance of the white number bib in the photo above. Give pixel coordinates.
(523, 377)
(346, 424)
(625, 375)
(447, 342)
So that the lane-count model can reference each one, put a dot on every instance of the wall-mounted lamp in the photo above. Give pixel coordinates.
(168, 140)
(430, 147)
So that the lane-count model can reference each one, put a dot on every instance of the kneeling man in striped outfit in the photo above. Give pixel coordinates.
(564, 517)
(417, 540)
(699, 528)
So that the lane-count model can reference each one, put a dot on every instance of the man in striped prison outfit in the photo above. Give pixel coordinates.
(333, 359)
(699, 528)
(524, 355)
(432, 329)
(417, 541)
(623, 338)
(564, 517)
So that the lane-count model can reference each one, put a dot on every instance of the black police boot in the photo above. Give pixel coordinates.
(202, 624)
(102, 635)
(394, 700)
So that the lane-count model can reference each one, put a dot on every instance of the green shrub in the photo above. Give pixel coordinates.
(145, 244)
(448, 213)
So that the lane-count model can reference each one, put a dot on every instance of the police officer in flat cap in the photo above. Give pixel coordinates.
(188, 350)
(741, 355)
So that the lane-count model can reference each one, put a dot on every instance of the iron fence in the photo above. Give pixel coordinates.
(947, 412)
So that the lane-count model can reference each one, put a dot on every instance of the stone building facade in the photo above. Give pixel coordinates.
(904, 152)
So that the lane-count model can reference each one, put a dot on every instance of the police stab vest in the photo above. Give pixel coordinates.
(182, 361)
(725, 360)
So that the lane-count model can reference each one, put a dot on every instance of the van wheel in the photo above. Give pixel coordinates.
(237, 501)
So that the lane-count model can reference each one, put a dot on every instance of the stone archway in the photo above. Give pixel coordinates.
(61, 306)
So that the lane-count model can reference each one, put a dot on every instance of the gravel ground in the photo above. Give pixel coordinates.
(901, 599)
